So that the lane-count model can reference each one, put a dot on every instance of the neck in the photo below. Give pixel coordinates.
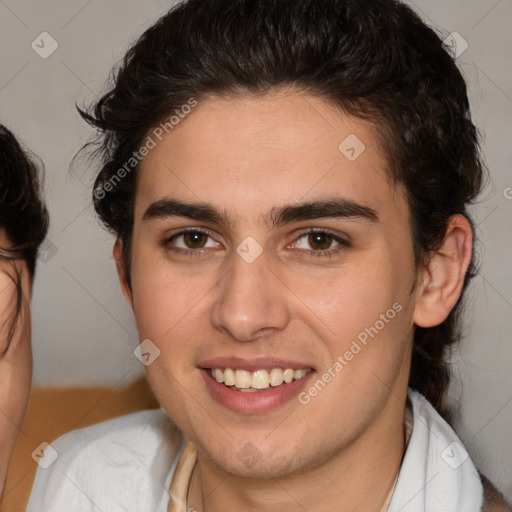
(359, 477)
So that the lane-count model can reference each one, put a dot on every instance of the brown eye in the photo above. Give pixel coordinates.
(195, 239)
(190, 242)
(320, 241)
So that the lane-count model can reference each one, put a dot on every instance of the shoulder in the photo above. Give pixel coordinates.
(493, 500)
(120, 464)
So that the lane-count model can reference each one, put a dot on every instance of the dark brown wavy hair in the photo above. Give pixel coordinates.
(23, 214)
(375, 59)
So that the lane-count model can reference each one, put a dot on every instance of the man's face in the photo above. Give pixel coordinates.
(310, 262)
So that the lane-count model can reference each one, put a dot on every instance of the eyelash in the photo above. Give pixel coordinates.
(318, 253)
(314, 253)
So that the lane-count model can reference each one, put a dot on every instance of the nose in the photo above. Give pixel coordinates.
(251, 301)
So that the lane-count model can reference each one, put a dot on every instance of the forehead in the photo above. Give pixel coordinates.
(251, 153)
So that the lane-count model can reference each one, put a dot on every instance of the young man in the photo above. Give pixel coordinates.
(288, 183)
(23, 226)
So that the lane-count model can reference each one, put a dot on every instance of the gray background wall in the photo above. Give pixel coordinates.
(83, 330)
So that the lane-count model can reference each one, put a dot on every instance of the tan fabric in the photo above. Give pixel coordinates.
(181, 480)
(494, 501)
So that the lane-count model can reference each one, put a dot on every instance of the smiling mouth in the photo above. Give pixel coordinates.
(258, 380)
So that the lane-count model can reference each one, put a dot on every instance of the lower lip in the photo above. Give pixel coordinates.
(257, 401)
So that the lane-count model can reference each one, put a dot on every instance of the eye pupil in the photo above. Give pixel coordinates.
(194, 239)
(323, 240)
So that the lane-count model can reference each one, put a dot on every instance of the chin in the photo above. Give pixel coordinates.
(255, 460)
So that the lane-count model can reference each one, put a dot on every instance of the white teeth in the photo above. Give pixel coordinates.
(257, 380)
(242, 379)
(229, 377)
(288, 375)
(298, 374)
(260, 379)
(276, 377)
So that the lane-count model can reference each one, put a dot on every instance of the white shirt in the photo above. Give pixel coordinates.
(121, 465)
(126, 465)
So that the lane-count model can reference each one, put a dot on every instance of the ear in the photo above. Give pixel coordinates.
(121, 271)
(443, 276)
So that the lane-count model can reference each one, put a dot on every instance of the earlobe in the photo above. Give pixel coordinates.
(121, 272)
(443, 276)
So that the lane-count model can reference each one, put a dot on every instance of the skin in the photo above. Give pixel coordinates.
(247, 156)
(15, 361)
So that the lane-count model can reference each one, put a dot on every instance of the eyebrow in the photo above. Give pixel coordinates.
(205, 212)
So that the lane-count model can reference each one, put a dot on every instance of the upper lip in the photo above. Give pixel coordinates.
(253, 364)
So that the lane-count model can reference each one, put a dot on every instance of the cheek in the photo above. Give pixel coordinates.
(353, 296)
(166, 300)
(366, 343)
(363, 315)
